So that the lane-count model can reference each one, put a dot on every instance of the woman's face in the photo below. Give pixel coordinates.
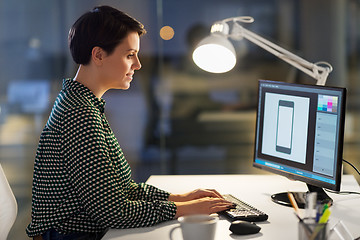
(118, 68)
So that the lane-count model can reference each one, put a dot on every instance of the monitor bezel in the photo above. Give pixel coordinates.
(311, 181)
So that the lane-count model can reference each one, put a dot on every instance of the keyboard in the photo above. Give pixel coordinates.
(243, 211)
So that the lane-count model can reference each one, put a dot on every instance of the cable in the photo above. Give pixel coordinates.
(352, 166)
(345, 192)
(341, 193)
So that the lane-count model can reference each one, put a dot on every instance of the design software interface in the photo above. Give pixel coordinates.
(297, 130)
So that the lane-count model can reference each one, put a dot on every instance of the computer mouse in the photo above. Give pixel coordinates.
(243, 227)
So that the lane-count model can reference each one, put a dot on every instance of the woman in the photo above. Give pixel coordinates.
(82, 182)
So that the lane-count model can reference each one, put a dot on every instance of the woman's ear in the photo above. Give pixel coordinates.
(97, 55)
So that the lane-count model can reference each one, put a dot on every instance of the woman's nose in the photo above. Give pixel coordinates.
(137, 64)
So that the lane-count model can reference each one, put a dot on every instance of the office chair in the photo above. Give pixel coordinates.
(8, 206)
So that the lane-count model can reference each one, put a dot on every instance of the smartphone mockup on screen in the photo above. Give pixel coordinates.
(284, 132)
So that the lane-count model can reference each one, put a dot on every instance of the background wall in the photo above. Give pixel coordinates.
(175, 119)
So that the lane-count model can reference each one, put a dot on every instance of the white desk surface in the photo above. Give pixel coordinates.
(256, 190)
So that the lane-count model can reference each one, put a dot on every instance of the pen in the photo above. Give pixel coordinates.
(319, 211)
(321, 224)
(311, 205)
(293, 203)
(326, 206)
(325, 217)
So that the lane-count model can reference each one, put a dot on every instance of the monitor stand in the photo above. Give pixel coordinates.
(300, 197)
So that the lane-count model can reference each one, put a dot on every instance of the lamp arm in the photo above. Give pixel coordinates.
(312, 69)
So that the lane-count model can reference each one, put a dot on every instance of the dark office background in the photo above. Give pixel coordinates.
(175, 118)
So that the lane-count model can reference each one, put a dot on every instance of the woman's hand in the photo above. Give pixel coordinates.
(196, 194)
(206, 205)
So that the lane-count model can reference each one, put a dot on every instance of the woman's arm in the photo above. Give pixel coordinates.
(206, 205)
(146, 192)
(196, 194)
(202, 201)
(101, 183)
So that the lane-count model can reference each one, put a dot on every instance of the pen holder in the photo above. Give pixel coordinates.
(312, 231)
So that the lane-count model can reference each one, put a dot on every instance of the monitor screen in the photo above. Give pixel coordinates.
(300, 131)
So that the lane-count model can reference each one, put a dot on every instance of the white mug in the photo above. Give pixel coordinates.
(197, 227)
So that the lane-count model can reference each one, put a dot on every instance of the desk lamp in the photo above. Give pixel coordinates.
(216, 53)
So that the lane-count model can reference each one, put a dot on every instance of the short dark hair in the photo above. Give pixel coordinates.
(103, 27)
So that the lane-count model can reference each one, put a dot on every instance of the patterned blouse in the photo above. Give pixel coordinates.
(82, 181)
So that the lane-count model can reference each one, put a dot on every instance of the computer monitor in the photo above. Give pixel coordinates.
(299, 134)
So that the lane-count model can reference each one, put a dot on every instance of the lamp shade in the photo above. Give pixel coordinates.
(215, 54)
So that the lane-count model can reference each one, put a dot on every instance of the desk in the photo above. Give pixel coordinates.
(256, 190)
